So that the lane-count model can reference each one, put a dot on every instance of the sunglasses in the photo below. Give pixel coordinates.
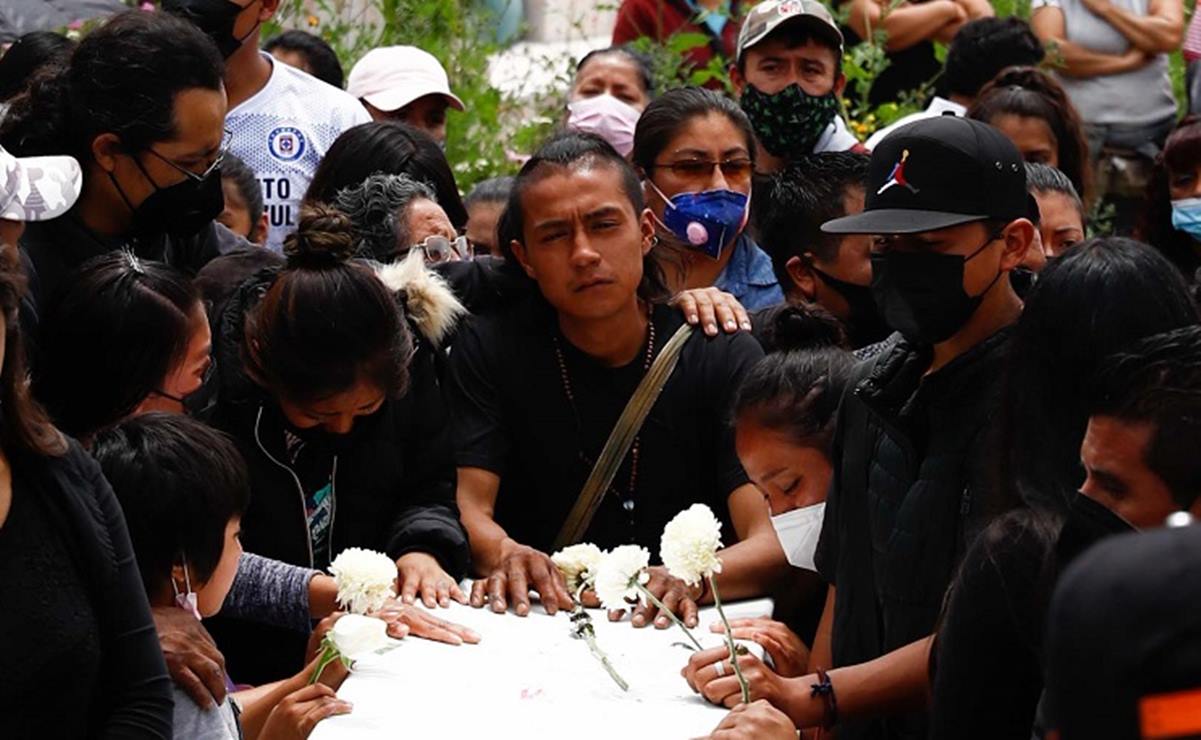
(440, 249)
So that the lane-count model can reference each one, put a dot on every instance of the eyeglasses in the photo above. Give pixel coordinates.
(693, 169)
(440, 249)
(226, 141)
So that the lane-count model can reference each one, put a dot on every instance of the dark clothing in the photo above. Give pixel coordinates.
(661, 19)
(513, 418)
(911, 489)
(988, 656)
(907, 71)
(81, 656)
(54, 249)
(393, 480)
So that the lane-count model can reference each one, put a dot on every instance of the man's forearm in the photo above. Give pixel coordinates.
(488, 540)
(1151, 34)
(1081, 62)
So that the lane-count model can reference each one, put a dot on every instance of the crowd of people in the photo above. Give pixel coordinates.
(250, 321)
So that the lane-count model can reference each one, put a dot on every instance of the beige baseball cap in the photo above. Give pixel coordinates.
(766, 17)
(37, 188)
(391, 77)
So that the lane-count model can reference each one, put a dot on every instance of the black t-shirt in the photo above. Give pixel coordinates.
(512, 417)
(907, 70)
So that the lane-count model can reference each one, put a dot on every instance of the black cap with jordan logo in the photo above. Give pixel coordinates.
(936, 173)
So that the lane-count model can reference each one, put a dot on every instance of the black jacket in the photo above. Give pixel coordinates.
(132, 695)
(394, 490)
(912, 487)
(51, 250)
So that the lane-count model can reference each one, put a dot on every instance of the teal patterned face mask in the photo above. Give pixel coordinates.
(790, 122)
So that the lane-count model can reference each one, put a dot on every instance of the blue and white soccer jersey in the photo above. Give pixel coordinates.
(282, 132)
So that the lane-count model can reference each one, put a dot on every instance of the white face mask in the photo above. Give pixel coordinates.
(187, 599)
(609, 118)
(798, 531)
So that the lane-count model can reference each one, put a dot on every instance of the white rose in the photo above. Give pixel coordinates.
(355, 635)
(577, 564)
(365, 579)
(618, 573)
(690, 543)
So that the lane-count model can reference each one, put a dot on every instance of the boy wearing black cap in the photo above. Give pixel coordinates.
(946, 205)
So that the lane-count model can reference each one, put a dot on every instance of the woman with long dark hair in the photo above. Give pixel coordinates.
(1033, 110)
(695, 151)
(1171, 217)
(81, 654)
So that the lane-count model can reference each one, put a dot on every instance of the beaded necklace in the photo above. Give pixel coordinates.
(627, 501)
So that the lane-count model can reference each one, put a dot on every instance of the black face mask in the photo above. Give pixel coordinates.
(865, 326)
(216, 18)
(199, 403)
(317, 438)
(921, 295)
(182, 209)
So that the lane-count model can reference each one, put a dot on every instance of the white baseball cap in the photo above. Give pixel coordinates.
(37, 188)
(391, 77)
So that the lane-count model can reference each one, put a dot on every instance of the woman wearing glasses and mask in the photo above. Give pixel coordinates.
(696, 153)
(141, 105)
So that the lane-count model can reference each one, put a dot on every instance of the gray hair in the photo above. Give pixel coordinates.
(376, 208)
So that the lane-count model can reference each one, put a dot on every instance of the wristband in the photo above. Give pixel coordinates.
(825, 690)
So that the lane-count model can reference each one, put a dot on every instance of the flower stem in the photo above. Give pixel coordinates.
(328, 655)
(604, 660)
(654, 600)
(746, 688)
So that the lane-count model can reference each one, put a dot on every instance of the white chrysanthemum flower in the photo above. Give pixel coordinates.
(365, 579)
(690, 543)
(355, 635)
(577, 564)
(618, 574)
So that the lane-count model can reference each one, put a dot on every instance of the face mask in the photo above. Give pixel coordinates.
(865, 326)
(199, 402)
(790, 122)
(921, 295)
(609, 118)
(706, 221)
(1186, 216)
(187, 599)
(182, 209)
(317, 438)
(216, 18)
(798, 532)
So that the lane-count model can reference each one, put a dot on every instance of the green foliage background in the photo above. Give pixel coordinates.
(488, 139)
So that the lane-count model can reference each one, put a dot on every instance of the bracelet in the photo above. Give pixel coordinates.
(825, 690)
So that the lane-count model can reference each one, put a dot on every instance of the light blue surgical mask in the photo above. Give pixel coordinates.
(1186, 216)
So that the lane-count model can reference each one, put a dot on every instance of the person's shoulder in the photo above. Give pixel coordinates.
(192, 721)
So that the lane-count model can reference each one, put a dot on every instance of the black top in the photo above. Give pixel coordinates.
(988, 657)
(51, 250)
(81, 657)
(911, 488)
(512, 417)
(392, 482)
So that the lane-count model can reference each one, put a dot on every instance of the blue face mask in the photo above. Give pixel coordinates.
(706, 221)
(1186, 216)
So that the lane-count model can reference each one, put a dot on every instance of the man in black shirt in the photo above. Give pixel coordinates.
(536, 392)
(946, 203)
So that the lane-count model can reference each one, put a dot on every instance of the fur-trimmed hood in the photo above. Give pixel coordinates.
(426, 296)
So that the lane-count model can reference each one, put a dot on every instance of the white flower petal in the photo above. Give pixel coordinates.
(365, 579)
(578, 564)
(355, 635)
(617, 575)
(690, 543)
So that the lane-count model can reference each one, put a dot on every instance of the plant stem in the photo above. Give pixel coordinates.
(328, 655)
(604, 659)
(746, 688)
(651, 598)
